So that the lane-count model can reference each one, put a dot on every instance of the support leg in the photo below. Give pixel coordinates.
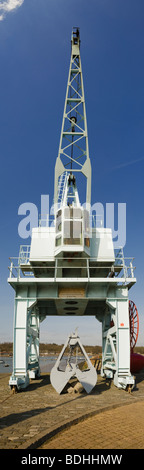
(116, 344)
(33, 345)
(123, 377)
(25, 344)
(20, 377)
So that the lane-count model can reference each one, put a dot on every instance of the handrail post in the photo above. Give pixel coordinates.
(11, 269)
(131, 268)
(18, 276)
(55, 268)
(88, 271)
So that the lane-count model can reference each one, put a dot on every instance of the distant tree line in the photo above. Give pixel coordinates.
(56, 348)
(53, 348)
(7, 348)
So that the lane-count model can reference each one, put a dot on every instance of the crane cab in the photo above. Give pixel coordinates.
(72, 230)
(72, 224)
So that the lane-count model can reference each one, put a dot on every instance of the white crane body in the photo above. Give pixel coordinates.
(71, 266)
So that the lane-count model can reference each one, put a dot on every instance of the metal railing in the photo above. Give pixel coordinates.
(46, 221)
(24, 254)
(70, 267)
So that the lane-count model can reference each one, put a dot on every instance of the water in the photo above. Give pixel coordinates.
(6, 361)
(46, 363)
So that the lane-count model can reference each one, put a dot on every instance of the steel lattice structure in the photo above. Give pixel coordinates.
(73, 148)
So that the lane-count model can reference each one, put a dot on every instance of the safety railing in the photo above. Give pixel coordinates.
(46, 220)
(70, 267)
(24, 254)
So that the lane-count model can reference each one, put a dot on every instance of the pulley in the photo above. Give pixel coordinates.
(134, 324)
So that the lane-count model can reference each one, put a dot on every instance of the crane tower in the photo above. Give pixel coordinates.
(71, 266)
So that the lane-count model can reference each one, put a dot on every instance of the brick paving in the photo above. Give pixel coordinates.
(120, 428)
(33, 416)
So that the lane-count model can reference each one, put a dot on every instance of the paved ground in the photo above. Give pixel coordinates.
(120, 428)
(33, 416)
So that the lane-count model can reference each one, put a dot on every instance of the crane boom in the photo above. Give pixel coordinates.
(73, 154)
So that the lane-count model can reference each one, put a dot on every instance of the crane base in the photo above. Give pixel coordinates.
(19, 382)
(124, 382)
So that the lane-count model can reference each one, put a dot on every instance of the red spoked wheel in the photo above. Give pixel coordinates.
(134, 324)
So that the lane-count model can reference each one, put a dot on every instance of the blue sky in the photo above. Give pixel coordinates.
(34, 61)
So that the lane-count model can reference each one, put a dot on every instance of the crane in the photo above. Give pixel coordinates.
(71, 266)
